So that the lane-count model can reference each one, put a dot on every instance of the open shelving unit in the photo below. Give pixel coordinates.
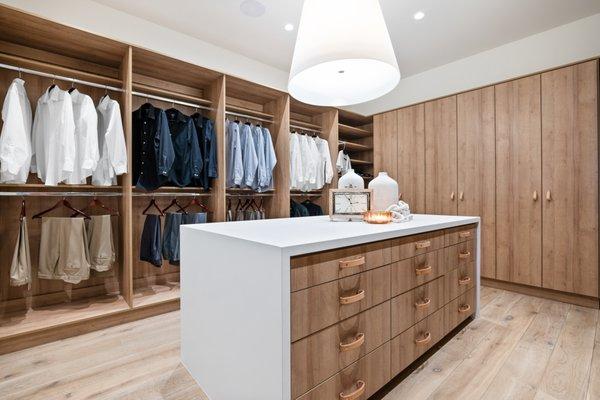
(356, 139)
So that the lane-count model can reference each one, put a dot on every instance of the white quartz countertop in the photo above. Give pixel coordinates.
(311, 234)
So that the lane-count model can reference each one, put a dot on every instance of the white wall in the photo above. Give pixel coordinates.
(565, 44)
(569, 43)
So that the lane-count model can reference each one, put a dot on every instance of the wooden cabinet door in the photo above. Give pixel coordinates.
(519, 181)
(385, 143)
(440, 156)
(570, 179)
(411, 157)
(477, 169)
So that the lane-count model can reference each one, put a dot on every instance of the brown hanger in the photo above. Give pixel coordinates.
(96, 202)
(195, 202)
(65, 203)
(153, 204)
(23, 212)
(174, 202)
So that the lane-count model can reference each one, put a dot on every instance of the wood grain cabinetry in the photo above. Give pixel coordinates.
(570, 179)
(411, 156)
(385, 157)
(441, 157)
(401, 297)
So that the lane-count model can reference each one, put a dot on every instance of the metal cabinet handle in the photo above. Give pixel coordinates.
(360, 389)
(353, 299)
(358, 341)
(426, 338)
(357, 262)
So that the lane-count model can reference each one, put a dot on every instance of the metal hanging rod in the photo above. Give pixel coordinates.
(61, 194)
(168, 100)
(250, 194)
(248, 117)
(171, 194)
(303, 128)
(60, 77)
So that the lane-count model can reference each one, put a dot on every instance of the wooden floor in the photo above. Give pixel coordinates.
(521, 348)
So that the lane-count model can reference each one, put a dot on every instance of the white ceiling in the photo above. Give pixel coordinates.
(451, 29)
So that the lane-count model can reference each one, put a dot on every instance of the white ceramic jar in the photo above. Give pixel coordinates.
(385, 192)
(351, 180)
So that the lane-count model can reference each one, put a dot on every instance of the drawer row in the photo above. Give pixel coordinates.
(331, 366)
(327, 266)
(320, 306)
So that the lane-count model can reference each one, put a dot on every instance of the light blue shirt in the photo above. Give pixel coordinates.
(235, 166)
(270, 160)
(260, 180)
(249, 156)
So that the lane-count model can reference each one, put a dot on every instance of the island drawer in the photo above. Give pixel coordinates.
(413, 306)
(325, 353)
(410, 273)
(314, 269)
(460, 234)
(320, 306)
(410, 246)
(460, 309)
(460, 280)
(412, 343)
(459, 255)
(358, 381)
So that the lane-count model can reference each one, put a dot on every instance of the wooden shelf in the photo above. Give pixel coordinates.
(351, 146)
(42, 318)
(156, 294)
(304, 125)
(360, 162)
(351, 131)
(169, 93)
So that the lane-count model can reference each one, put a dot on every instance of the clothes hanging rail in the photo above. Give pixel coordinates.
(61, 194)
(60, 77)
(304, 128)
(249, 195)
(168, 100)
(171, 194)
(246, 116)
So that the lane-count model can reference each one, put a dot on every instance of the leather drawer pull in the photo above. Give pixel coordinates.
(463, 256)
(464, 281)
(355, 344)
(423, 271)
(424, 303)
(464, 235)
(425, 339)
(360, 389)
(464, 308)
(423, 244)
(352, 263)
(353, 299)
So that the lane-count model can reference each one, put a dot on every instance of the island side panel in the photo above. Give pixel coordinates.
(478, 271)
(232, 317)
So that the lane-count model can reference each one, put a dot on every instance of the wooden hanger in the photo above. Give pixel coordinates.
(63, 202)
(195, 202)
(153, 204)
(96, 202)
(23, 213)
(174, 202)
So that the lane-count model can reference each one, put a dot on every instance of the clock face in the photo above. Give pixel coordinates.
(351, 203)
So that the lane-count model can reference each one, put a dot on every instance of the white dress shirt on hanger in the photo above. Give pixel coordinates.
(325, 168)
(343, 163)
(15, 140)
(87, 153)
(296, 170)
(111, 142)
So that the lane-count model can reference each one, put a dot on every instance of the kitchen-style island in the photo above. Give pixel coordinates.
(310, 309)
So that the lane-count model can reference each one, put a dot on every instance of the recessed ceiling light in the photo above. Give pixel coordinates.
(289, 27)
(419, 15)
(252, 8)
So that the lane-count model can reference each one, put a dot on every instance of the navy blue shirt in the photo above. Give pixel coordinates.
(208, 147)
(188, 160)
(153, 152)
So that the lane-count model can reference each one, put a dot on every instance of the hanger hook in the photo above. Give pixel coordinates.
(53, 79)
(105, 90)
(20, 72)
(72, 82)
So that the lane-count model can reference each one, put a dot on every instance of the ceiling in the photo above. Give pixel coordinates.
(451, 30)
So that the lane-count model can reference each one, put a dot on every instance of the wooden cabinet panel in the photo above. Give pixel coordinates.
(385, 143)
(570, 179)
(460, 280)
(412, 272)
(459, 309)
(365, 377)
(319, 356)
(476, 168)
(411, 156)
(459, 255)
(460, 234)
(519, 181)
(411, 246)
(411, 307)
(320, 306)
(441, 156)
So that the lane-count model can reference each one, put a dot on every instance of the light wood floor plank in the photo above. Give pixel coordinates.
(488, 294)
(568, 370)
(593, 391)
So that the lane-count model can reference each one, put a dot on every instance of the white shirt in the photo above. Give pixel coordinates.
(15, 140)
(343, 163)
(53, 137)
(324, 166)
(313, 159)
(111, 142)
(296, 171)
(87, 153)
(308, 163)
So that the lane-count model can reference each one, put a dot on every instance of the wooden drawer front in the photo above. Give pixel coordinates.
(411, 307)
(410, 246)
(412, 343)
(327, 266)
(410, 273)
(460, 234)
(364, 377)
(459, 254)
(320, 306)
(460, 309)
(319, 356)
(460, 280)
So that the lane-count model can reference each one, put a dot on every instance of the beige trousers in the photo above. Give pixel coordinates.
(20, 269)
(101, 246)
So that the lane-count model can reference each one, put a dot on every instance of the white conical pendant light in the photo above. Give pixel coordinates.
(343, 54)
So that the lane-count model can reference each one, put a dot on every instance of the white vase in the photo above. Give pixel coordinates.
(351, 180)
(385, 192)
